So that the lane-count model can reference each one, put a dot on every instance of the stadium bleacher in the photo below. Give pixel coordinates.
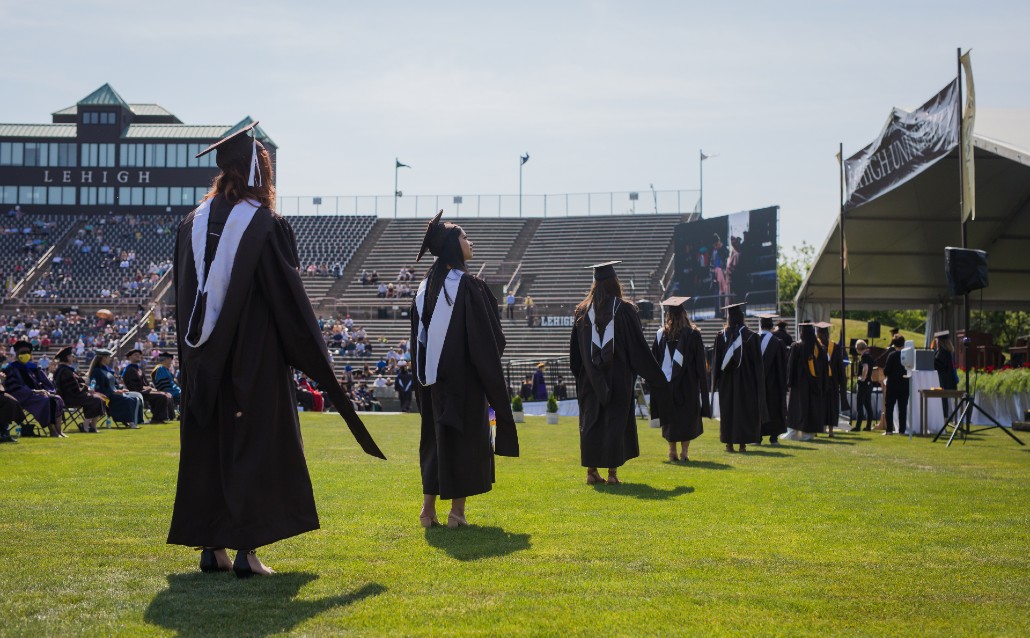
(24, 239)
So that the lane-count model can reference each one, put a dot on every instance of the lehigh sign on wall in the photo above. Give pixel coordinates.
(77, 176)
(909, 144)
(552, 322)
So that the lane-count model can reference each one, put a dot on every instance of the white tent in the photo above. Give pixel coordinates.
(895, 243)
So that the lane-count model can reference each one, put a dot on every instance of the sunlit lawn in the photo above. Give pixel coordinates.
(859, 535)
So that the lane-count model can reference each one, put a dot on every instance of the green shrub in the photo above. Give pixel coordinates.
(552, 404)
(516, 404)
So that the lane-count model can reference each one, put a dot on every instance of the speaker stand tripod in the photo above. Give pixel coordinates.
(959, 421)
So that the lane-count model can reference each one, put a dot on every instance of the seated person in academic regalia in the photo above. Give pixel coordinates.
(76, 392)
(163, 379)
(607, 351)
(162, 406)
(774, 360)
(123, 405)
(458, 378)
(680, 350)
(10, 411)
(317, 401)
(34, 391)
(526, 391)
(561, 391)
(739, 376)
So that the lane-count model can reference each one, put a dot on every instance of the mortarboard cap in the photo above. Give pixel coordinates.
(22, 345)
(675, 302)
(604, 270)
(768, 315)
(943, 334)
(735, 306)
(165, 355)
(103, 352)
(823, 325)
(436, 235)
(63, 352)
(133, 351)
(235, 148)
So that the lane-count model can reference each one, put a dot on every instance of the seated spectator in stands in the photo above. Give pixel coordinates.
(375, 276)
(404, 385)
(366, 278)
(381, 365)
(348, 323)
(363, 397)
(162, 406)
(526, 391)
(162, 376)
(76, 392)
(359, 349)
(382, 291)
(380, 382)
(391, 291)
(34, 391)
(10, 411)
(347, 378)
(404, 290)
(123, 406)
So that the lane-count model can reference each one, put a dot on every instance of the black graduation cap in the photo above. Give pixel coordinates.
(232, 148)
(766, 320)
(132, 352)
(436, 235)
(604, 270)
(675, 302)
(22, 345)
(943, 334)
(63, 352)
(165, 355)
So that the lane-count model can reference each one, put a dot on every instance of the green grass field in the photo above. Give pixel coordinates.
(859, 535)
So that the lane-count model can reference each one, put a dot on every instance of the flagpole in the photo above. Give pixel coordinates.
(701, 183)
(843, 261)
(521, 164)
(396, 169)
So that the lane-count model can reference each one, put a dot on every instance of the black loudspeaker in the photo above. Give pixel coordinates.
(872, 330)
(851, 348)
(965, 269)
(646, 309)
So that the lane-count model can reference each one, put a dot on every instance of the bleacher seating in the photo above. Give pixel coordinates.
(24, 239)
(327, 242)
(553, 264)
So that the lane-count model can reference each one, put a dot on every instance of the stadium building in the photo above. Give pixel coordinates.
(106, 155)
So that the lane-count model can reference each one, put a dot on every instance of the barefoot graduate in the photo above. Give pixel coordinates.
(607, 352)
(457, 346)
(679, 349)
(774, 363)
(740, 379)
(244, 320)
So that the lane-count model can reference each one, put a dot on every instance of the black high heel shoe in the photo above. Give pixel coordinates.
(208, 561)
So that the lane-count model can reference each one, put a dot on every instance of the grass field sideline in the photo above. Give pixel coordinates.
(859, 535)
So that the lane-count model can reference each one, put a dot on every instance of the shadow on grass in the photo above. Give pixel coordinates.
(475, 542)
(220, 604)
(643, 491)
(835, 440)
(792, 448)
(702, 465)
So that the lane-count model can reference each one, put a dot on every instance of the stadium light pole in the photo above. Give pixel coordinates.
(396, 191)
(522, 162)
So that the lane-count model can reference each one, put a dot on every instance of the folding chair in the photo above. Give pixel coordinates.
(74, 416)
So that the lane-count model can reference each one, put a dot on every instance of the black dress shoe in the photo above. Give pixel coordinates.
(8, 439)
(208, 561)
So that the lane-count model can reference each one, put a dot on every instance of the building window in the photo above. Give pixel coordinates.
(8, 194)
(102, 155)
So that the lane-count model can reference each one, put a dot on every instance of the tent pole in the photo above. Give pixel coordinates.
(843, 315)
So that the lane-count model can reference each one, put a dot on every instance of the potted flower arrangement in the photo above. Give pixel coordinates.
(552, 410)
(516, 410)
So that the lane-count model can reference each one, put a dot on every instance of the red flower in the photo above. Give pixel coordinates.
(989, 369)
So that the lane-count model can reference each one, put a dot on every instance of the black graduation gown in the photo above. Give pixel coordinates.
(689, 387)
(607, 404)
(10, 411)
(774, 362)
(943, 363)
(160, 403)
(76, 393)
(806, 405)
(404, 384)
(836, 388)
(742, 408)
(123, 408)
(455, 454)
(243, 481)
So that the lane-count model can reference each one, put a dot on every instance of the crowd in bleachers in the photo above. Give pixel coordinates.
(24, 239)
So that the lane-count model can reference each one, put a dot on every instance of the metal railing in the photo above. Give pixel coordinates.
(643, 202)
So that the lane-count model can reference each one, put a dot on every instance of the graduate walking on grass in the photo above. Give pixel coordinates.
(836, 389)
(806, 380)
(740, 379)
(774, 364)
(679, 349)
(244, 321)
(607, 351)
(457, 346)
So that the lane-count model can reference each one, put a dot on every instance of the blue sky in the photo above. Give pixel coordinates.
(605, 96)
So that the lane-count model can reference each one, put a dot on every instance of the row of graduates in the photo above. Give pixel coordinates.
(46, 397)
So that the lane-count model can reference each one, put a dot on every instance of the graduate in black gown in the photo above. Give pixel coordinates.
(836, 389)
(774, 362)
(457, 344)
(680, 351)
(739, 376)
(806, 380)
(607, 352)
(244, 320)
(76, 392)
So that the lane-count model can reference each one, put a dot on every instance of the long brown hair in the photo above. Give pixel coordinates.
(231, 183)
(600, 292)
(676, 321)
